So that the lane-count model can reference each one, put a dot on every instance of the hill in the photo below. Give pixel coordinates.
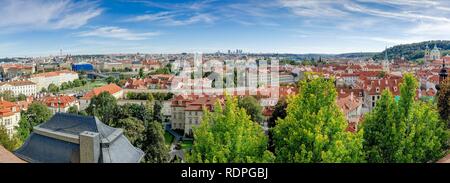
(414, 51)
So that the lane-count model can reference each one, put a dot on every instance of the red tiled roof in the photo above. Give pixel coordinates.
(110, 88)
(376, 87)
(53, 101)
(8, 108)
(17, 83)
(53, 74)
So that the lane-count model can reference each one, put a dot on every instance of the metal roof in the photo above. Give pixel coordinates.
(39, 148)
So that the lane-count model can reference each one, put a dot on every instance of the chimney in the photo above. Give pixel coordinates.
(351, 96)
(89, 147)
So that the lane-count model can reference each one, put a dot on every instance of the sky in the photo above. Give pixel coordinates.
(45, 27)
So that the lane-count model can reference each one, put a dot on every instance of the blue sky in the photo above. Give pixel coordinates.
(43, 27)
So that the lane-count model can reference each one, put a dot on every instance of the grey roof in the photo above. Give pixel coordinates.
(42, 149)
(75, 124)
(115, 147)
(119, 152)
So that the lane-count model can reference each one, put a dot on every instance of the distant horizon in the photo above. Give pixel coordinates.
(177, 53)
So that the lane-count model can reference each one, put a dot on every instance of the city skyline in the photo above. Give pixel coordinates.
(42, 27)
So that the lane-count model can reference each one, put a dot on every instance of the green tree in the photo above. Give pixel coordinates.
(406, 131)
(10, 143)
(279, 112)
(44, 90)
(36, 114)
(104, 106)
(8, 96)
(110, 79)
(314, 129)
(443, 101)
(153, 144)
(52, 88)
(64, 86)
(73, 110)
(133, 129)
(22, 97)
(227, 135)
(84, 82)
(252, 107)
(141, 73)
(157, 111)
(77, 83)
(24, 128)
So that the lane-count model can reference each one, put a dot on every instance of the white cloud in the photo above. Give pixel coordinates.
(45, 14)
(174, 18)
(117, 33)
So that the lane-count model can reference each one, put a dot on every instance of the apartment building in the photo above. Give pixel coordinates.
(60, 103)
(187, 111)
(43, 80)
(25, 87)
(9, 116)
(112, 89)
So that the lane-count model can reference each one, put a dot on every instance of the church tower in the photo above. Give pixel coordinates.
(435, 53)
(427, 56)
(385, 62)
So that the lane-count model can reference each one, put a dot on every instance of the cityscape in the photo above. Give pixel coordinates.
(225, 82)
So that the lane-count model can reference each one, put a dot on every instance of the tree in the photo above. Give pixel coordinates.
(21, 97)
(443, 100)
(252, 107)
(84, 82)
(104, 106)
(314, 129)
(73, 110)
(10, 143)
(153, 144)
(24, 128)
(64, 86)
(36, 114)
(227, 135)
(44, 90)
(77, 83)
(141, 73)
(406, 131)
(52, 88)
(133, 129)
(8, 96)
(110, 79)
(157, 111)
(279, 112)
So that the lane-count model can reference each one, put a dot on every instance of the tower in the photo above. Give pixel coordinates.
(443, 73)
(427, 53)
(435, 54)
(385, 62)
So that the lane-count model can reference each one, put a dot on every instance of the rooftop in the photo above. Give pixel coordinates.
(8, 157)
(110, 88)
(57, 141)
